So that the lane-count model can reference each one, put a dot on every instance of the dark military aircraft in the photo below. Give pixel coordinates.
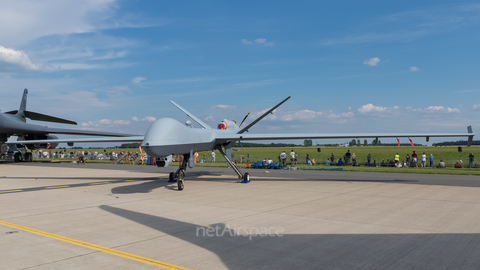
(14, 123)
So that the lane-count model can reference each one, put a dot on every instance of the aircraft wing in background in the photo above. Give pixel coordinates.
(85, 132)
(84, 140)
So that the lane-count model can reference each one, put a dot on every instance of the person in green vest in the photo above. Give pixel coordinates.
(397, 158)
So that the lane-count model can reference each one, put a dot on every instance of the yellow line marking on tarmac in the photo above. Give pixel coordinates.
(16, 190)
(95, 247)
(57, 187)
(132, 180)
(101, 183)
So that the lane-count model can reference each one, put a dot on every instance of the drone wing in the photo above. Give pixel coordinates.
(222, 138)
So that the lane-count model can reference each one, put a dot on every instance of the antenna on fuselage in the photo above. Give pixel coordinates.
(194, 118)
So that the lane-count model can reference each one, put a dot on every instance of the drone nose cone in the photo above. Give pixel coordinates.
(164, 131)
(162, 135)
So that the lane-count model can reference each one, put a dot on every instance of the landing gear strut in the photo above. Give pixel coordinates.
(23, 155)
(245, 177)
(180, 173)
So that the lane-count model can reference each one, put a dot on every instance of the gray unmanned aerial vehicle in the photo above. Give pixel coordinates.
(13, 123)
(167, 137)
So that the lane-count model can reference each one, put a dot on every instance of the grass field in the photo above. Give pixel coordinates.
(449, 155)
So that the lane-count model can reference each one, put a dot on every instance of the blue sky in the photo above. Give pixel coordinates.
(350, 66)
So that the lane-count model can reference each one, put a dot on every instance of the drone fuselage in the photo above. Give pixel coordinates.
(167, 136)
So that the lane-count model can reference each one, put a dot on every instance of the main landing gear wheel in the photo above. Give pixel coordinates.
(17, 157)
(180, 182)
(246, 178)
(28, 157)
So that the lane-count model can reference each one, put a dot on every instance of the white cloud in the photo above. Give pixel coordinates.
(371, 108)
(339, 118)
(372, 61)
(29, 20)
(435, 108)
(89, 124)
(332, 115)
(209, 118)
(137, 80)
(53, 30)
(121, 122)
(105, 121)
(476, 106)
(15, 61)
(258, 41)
(149, 119)
(300, 115)
(413, 69)
(453, 109)
(220, 106)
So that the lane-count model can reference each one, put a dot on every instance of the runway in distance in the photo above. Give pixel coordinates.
(167, 137)
(13, 123)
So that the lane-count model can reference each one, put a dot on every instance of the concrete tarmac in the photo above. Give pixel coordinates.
(105, 216)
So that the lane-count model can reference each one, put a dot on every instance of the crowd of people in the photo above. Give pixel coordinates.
(412, 161)
(409, 161)
(348, 159)
(87, 155)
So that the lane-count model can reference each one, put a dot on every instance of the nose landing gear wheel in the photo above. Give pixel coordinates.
(180, 183)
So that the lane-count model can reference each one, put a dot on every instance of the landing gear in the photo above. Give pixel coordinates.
(180, 173)
(245, 177)
(17, 157)
(23, 155)
(180, 182)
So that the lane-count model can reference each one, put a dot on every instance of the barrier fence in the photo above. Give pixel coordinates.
(319, 159)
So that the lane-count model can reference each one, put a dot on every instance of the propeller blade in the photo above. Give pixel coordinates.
(244, 119)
